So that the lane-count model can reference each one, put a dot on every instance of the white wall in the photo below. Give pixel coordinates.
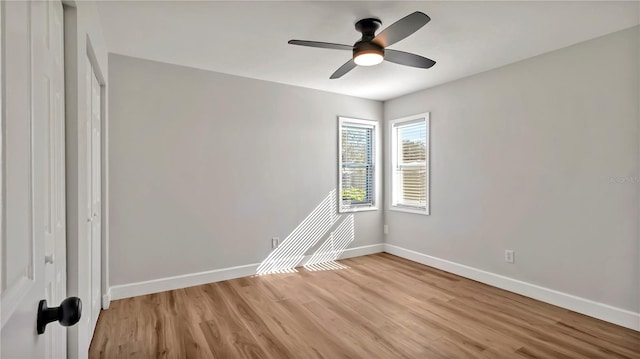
(205, 168)
(82, 31)
(541, 157)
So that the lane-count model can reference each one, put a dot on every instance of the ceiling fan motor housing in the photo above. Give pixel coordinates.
(367, 47)
(368, 28)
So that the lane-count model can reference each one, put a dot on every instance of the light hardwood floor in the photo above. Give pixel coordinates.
(380, 306)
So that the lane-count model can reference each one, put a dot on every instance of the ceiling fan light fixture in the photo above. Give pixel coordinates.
(367, 53)
(368, 58)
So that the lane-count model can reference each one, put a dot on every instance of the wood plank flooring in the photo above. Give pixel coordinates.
(379, 306)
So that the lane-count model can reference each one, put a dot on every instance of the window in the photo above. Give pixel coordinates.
(357, 158)
(410, 164)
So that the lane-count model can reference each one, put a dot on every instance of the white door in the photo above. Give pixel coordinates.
(33, 252)
(94, 204)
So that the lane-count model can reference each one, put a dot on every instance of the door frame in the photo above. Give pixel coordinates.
(83, 40)
(93, 67)
(104, 146)
(2, 160)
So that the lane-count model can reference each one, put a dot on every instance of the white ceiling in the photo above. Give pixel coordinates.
(250, 38)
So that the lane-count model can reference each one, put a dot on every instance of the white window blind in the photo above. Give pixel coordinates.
(357, 165)
(410, 142)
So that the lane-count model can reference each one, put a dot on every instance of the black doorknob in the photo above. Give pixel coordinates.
(68, 313)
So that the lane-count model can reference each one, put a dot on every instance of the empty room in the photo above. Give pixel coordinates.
(320, 179)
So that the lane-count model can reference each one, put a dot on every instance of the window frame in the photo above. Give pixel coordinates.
(375, 151)
(393, 153)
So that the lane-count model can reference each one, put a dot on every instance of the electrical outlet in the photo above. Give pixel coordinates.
(385, 229)
(275, 241)
(509, 256)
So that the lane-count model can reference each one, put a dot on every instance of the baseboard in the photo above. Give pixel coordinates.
(588, 307)
(188, 280)
(106, 300)
(181, 281)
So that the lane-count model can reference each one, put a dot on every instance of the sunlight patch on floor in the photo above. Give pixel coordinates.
(331, 265)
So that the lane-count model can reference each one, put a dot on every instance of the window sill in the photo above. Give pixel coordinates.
(424, 212)
(358, 209)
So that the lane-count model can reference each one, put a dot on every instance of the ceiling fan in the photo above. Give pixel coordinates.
(371, 49)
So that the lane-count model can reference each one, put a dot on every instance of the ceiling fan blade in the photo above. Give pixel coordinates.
(407, 59)
(401, 29)
(324, 45)
(348, 66)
